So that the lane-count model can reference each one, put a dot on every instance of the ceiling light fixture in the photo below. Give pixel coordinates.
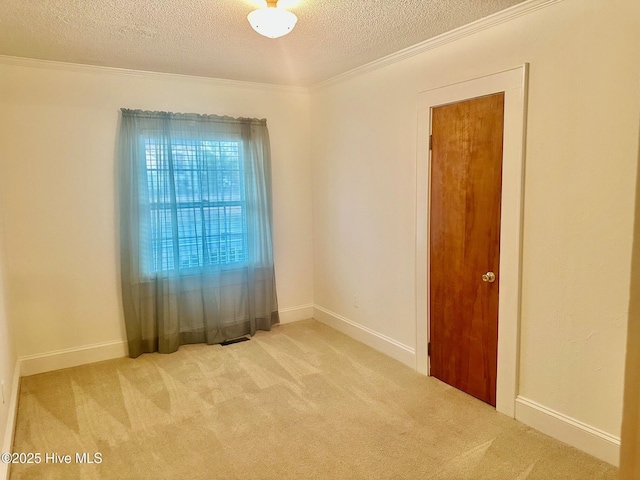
(271, 21)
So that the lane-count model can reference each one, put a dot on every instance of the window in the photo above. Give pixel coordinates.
(196, 203)
(196, 251)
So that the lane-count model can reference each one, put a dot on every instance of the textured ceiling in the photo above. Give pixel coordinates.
(212, 38)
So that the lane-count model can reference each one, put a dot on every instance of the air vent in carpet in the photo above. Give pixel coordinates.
(234, 340)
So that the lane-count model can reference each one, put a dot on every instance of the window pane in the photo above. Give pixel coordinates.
(197, 203)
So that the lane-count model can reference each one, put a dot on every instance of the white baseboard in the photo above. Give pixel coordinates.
(295, 314)
(375, 340)
(584, 437)
(71, 357)
(12, 416)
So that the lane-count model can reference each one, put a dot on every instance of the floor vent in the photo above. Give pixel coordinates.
(234, 340)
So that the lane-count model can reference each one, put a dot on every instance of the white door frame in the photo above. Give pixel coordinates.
(514, 85)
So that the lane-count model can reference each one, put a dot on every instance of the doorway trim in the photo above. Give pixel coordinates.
(514, 85)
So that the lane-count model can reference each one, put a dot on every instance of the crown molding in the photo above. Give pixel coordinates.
(497, 18)
(101, 70)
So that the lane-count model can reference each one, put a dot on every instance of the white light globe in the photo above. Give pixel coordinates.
(272, 22)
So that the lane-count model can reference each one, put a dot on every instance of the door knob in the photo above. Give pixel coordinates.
(489, 277)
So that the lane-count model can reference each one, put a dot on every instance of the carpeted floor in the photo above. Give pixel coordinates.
(300, 402)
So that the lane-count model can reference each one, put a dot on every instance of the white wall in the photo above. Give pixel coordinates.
(7, 366)
(57, 142)
(579, 194)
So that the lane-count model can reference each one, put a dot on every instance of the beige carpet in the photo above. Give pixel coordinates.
(300, 402)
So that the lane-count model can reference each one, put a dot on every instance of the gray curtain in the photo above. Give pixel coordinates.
(195, 229)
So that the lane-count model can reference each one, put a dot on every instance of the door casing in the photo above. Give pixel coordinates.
(514, 85)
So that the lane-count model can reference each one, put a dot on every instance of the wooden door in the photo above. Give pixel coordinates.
(466, 184)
